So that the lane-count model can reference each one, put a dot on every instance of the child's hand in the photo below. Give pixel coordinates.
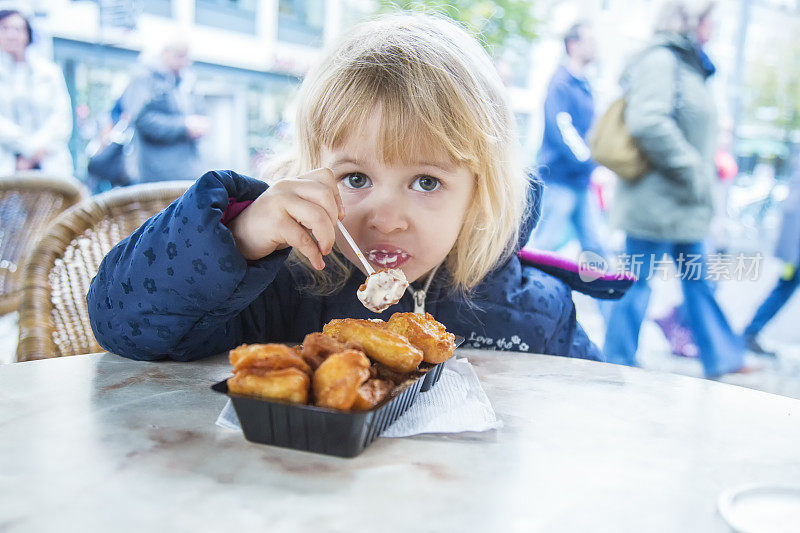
(287, 214)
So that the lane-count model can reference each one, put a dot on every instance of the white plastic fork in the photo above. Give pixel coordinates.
(355, 248)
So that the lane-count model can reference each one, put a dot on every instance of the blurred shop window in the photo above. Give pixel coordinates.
(117, 13)
(301, 21)
(269, 112)
(162, 8)
(234, 15)
(96, 87)
(124, 13)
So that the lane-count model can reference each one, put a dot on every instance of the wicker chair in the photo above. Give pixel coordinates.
(54, 319)
(28, 203)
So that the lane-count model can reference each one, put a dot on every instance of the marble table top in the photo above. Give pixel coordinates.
(100, 443)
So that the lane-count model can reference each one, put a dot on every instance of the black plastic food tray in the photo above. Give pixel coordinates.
(317, 429)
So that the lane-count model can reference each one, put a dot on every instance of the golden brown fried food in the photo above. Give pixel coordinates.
(289, 384)
(371, 393)
(318, 346)
(338, 378)
(381, 344)
(424, 332)
(267, 357)
(382, 371)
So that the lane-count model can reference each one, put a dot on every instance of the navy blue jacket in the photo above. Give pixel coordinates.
(179, 288)
(571, 95)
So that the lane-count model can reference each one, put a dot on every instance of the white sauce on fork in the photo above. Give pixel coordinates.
(382, 289)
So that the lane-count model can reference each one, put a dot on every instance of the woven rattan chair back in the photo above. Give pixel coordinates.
(54, 320)
(28, 203)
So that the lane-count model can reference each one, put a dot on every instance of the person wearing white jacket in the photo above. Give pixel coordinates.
(35, 109)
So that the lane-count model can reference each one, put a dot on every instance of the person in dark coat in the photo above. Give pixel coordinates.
(565, 158)
(414, 163)
(163, 109)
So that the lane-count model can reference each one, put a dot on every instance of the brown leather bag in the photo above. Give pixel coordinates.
(611, 144)
(614, 148)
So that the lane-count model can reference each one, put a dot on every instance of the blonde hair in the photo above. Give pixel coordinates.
(682, 16)
(436, 88)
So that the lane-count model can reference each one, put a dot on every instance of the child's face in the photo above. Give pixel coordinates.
(405, 216)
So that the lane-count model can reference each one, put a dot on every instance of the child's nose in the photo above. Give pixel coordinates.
(388, 214)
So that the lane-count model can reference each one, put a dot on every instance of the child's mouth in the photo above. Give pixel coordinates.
(386, 257)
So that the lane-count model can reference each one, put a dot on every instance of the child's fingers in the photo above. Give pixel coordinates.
(325, 175)
(313, 217)
(300, 239)
(323, 196)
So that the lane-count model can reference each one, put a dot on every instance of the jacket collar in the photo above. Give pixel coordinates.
(687, 49)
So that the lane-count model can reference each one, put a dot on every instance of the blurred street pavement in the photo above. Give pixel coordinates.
(739, 301)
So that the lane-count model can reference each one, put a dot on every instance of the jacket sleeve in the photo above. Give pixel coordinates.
(178, 286)
(157, 125)
(544, 305)
(559, 125)
(56, 130)
(569, 335)
(149, 111)
(10, 134)
(649, 118)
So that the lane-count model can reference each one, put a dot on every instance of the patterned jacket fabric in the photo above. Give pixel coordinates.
(178, 288)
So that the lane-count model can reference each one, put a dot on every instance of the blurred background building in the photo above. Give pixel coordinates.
(250, 56)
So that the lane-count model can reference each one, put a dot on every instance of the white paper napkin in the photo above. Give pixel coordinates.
(455, 404)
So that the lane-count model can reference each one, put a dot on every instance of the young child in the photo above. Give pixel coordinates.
(405, 135)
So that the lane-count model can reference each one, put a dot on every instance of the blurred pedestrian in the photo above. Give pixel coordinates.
(568, 115)
(110, 153)
(35, 109)
(163, 108)
(674, 324)
(671, 114)
(788, 251)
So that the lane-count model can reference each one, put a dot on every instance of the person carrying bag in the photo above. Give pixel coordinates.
(611, 142)
(107, 160)
(667, 211)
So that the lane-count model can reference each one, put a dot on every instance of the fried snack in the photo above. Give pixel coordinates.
(382, 371)
(318, 346)
(371, 393)
(273, 371)
(267, 357)
(427, 334)
(289, 384)
(338, 378)
(387, 347)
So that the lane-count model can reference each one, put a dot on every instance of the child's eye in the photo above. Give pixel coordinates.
(356, 180)
(426, 184)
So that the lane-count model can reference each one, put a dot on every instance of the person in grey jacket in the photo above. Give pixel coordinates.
(162, 107)
(670, 113)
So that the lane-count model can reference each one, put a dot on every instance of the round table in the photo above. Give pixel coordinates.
(98, 442)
